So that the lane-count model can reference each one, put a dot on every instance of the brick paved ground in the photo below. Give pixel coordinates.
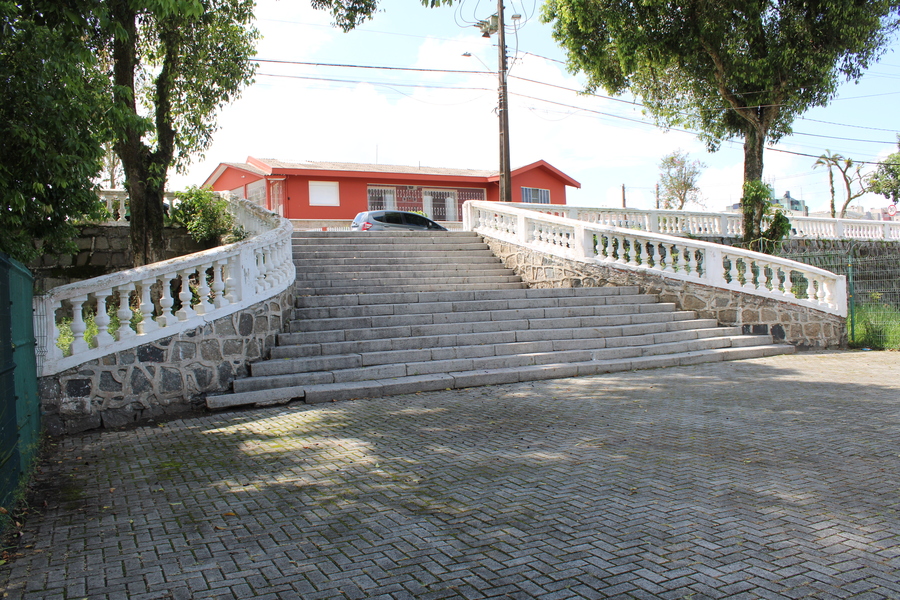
(768, 478)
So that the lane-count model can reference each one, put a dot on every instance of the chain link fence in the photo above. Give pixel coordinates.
(873, 287)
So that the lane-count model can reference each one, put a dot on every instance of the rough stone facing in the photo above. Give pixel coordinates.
(166, 377)
(798, 325)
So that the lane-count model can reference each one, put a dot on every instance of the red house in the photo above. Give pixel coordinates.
(339, 191)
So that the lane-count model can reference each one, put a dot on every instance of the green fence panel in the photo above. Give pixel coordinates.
(19, 402)
(873, 282)
(10, 462)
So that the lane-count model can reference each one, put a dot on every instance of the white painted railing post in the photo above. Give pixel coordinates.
(521, 225)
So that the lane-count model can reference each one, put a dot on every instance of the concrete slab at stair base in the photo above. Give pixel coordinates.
(333, 392)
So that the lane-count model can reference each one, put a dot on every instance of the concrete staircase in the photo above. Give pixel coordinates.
(390, 313)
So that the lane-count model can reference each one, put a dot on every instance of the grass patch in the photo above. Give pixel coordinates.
(876, 326)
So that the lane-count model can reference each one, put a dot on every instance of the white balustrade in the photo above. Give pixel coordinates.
(674, 257)
(680, 222)
(208, 285)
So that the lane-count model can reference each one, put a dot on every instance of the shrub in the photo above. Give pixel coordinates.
(204, 214)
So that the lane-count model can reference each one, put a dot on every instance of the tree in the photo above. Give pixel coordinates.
(50, 104)
(743, 68)
(678, 180)
(113, 174)
(174, 64)
(827, 160)
(850, 176)
(886, 178)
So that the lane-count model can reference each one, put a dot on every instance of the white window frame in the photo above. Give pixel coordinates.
(543, 196)
(324, 193)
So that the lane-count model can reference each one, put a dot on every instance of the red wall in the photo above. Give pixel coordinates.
(354, 190)
(539, 178)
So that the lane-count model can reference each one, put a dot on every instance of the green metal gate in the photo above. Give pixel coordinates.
(19, 403)
(873, 288)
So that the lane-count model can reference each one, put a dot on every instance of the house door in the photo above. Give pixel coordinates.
(443, 205)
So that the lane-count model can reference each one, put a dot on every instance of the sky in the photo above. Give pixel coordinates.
(427, 117)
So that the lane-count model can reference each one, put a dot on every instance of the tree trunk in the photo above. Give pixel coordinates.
(143, 181)
(753, 211)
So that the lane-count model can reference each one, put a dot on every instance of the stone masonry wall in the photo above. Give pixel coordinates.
(103, 249)
(163, 378)
(798, 325)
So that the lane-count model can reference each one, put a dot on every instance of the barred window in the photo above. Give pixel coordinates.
(535, 196)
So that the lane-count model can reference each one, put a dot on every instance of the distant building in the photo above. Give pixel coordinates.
(792, 204)
(787, 202)
(322, 190)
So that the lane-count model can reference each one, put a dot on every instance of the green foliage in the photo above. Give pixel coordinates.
(758, 208)
(746, 68)
(876, 325)
(50, 104)
(886, 178)
(204, 214)
(173, 64)
(678, 177)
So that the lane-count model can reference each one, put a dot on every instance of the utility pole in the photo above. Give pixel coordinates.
(503, 112)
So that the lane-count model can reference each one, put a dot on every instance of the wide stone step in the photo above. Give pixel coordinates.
(609, 340)
(389, 283)
(328, 392)
(412, 270)
(346, 368)
(443, 287)
(562, 339)
(311, 357)
(383, 237)
(573, 295)
(618, 314)
(472, 311)
(396, 261)
(388, 246)
(531, 318)
(378, 256)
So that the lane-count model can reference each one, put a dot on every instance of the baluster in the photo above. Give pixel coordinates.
(749, 275)
(260, 271)
(232, 293)
(102, 320)
(185, 296)
(733, 273)
(669, 266)
(620, 255)
(166, 301)
(810, 288)
(218, 286)
(821, 294)
(788, 284)
(650, 261)
(78, 325)
(147, 323)
(609, 248)
(203, 290)
(692, 262)
(124, 313)
(762, 280)
(829, 293)
(633, 253)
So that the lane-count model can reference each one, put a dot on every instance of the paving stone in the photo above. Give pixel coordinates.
(754, 479)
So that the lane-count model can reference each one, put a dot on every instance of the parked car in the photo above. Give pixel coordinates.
(388, 220)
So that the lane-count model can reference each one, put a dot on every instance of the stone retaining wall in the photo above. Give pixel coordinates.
(103, 249)
(791, 323)
(163, 378)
